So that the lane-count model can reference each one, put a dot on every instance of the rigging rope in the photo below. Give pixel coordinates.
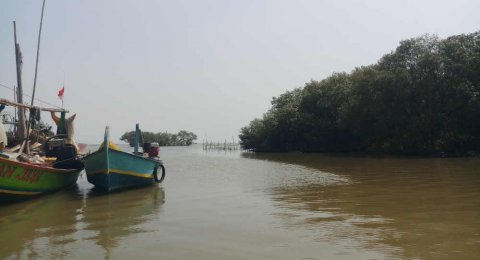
(37, 99)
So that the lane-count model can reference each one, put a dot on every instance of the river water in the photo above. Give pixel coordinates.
(234, 205)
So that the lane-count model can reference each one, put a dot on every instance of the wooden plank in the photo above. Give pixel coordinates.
(10, 103)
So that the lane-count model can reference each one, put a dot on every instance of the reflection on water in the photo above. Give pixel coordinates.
(26, 227)
(233, 205)
(108, 219)
(408, 208)
(51, 226)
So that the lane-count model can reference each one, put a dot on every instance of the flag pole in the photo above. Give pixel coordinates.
(63, 86)
(60, 94)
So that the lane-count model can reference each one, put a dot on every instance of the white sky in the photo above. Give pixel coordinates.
(204, 66)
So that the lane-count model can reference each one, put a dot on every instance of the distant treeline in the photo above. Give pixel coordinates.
(182, 138)
(421, 99)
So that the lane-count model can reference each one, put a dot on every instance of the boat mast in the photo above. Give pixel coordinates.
(22, 132)
(35, 78)
(38, 52)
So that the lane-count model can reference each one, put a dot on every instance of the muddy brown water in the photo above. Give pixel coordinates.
(234, 205)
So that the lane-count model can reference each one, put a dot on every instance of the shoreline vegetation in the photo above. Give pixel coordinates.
(421, 99)
(182, 138)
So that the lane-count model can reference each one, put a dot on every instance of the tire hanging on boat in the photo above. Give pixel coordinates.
(155, 173)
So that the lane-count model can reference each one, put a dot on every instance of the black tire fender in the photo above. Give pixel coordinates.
(155, 173)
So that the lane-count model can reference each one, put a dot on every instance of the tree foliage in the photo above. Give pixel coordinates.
(182, 138)
(421, 99)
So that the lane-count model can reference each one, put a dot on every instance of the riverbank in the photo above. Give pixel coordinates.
(421, 99)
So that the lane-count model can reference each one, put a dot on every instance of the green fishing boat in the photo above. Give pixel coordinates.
(21, 180)
(26, 171)
(29, 169)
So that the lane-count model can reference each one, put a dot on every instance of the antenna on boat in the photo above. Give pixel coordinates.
(35, 78)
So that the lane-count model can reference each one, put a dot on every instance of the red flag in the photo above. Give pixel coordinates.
(60, 93)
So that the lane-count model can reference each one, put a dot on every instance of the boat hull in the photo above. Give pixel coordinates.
(20, 180)
(113, 170)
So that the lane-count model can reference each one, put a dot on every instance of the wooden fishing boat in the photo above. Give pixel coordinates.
(27, 170)
(47, 168)
(111, 169)
(20, 180)
(50, 167)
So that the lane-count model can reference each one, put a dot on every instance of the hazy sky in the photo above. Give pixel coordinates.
(204, 66)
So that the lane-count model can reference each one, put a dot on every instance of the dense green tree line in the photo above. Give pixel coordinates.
(421, 99)
(182, 138)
